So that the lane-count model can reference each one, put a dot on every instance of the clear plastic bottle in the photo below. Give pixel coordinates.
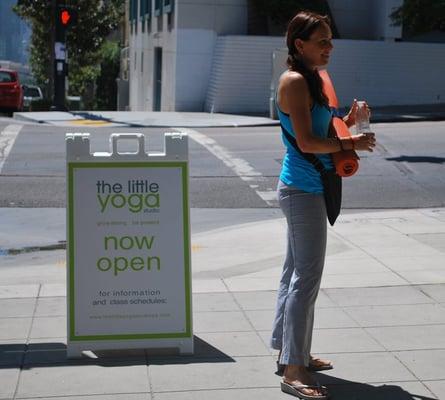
(362, 118)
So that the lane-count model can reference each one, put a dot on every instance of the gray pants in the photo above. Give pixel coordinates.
(301, 277)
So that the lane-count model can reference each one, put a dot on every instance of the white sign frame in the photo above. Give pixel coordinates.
(79, 159)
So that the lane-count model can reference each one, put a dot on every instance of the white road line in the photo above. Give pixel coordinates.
(239, 166)
(7, 139)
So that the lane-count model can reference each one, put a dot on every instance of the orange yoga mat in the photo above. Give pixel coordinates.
(346, 162)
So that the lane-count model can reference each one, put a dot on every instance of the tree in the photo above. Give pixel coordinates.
(420, 16)
(95, 21)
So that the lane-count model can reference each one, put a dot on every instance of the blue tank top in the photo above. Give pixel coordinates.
(296, 171)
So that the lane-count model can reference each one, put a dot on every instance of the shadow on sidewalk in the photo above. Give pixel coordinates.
(94, 117)
(349, 390)
(418, 159)
(48, 354)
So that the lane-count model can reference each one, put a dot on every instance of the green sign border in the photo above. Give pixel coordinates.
(71, 265)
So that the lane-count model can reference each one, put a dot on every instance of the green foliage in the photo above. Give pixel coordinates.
(38, 14)
(106, 92)
(95, 21)
(420, 16)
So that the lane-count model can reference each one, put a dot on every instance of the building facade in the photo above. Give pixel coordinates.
(196, 55)
(171, 49)
(14, 34)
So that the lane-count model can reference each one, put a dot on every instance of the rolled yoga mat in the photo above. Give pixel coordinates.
(346, 162)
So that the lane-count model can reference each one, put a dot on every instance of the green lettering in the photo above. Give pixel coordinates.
(120, 267)
(103, 204)
(135, 202)
(144, 242)
(154, 259)
(112, 238)
(137, 263)
(152, 200)
(103, 264)
(129, 241)
(118, 204)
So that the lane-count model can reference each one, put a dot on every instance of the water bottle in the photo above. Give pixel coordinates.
(362, 118)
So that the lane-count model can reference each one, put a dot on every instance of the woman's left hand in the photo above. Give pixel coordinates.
(349, 119)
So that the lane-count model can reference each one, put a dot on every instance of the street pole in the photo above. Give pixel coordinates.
(59, 64)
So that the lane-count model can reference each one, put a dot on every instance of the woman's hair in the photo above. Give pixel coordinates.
(301, 27)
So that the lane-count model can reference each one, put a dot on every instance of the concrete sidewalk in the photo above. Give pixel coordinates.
(380, 315)
(140, 119)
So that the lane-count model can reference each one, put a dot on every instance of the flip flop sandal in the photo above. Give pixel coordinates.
(320, 367)
(311, 367)
(295, 390)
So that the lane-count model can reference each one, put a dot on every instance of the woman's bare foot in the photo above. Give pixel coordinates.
(298, 375)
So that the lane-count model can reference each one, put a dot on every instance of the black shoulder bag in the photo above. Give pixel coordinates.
(331, 181)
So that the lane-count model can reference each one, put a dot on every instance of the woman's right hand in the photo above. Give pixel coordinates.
(364, 142)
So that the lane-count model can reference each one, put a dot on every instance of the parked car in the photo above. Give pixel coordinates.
(11, 92)
(31, 93)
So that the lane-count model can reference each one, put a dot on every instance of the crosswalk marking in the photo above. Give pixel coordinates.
(238, 165)
(7, 139)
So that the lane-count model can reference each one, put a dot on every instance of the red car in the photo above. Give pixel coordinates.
(11, 92)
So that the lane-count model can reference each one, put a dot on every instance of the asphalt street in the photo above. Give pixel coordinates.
(240, 167)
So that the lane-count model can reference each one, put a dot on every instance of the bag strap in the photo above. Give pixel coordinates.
(309, 157)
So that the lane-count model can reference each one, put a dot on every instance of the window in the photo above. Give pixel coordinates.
(6, 77)
(31, 92)
(144, 12)
(145, 9)
(158, 7)
(133, 15)
(148, 8)
(168, 6)
(133, 10)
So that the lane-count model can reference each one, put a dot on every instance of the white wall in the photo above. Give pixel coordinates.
(388, 73)
(222, 16)
(383, 73)
(199, 23)
(241, 74)
(193, 66)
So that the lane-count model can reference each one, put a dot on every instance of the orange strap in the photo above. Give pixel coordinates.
(346, 162)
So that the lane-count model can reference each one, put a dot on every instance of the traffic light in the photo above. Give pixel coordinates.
(66, 17)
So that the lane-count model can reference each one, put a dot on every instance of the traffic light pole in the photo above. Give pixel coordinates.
(59, 67)
(59, 85)
(65, 16)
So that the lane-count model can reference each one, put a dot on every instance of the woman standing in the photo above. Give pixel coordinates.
(304, 112)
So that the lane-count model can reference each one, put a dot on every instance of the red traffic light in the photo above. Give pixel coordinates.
(65, 17)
